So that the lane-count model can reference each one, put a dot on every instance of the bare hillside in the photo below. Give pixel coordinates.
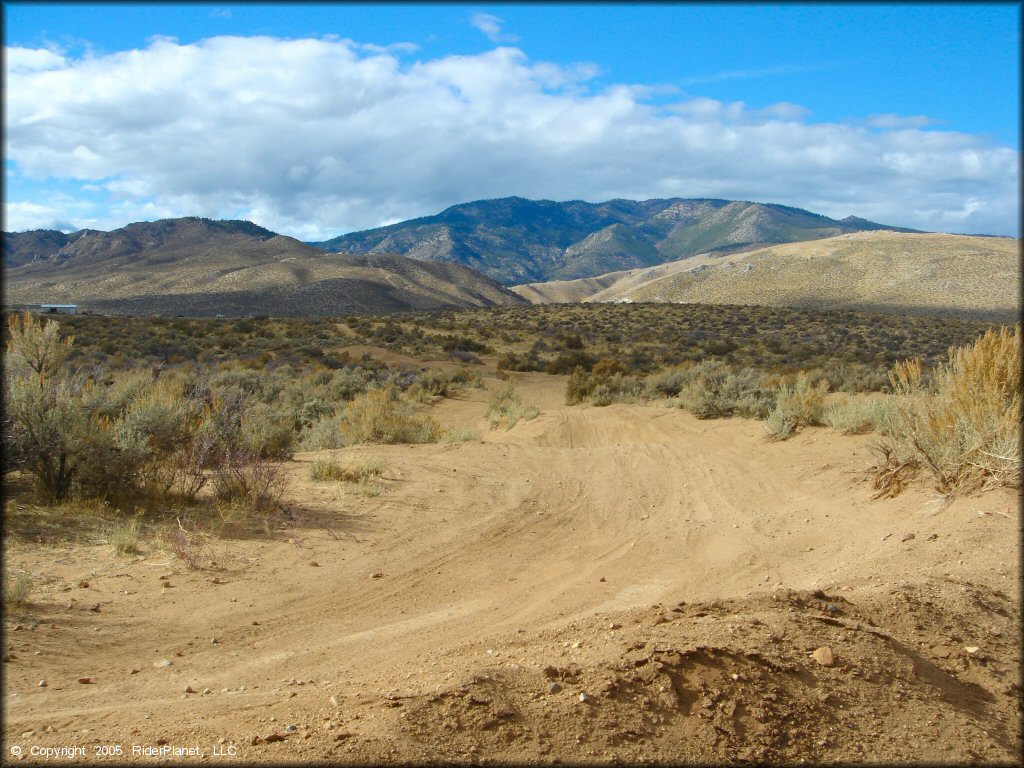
(977, 276)
(201, 267)
(610, 286)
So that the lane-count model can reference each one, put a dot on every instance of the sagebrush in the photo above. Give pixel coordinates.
(964, 426)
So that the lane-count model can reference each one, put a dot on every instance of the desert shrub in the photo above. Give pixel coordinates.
(323, 434)
(324, 470)
(668, 383)
(267, 433)
(49, 432)
(606, 382)
(34, 347)
(429, 385)
(779, 427)
(380, 416)
(346, 383)
(464, 356)
(152, 427)
(965, 427)
(464, 344)
(531, 361)
(192, 460)
(568, 361)
(506, 407)
(711, 390)
(465, 377)
(858, 416)
(797, 405)
(17, 588)
(114, 397)
(252, 482)
(246, 380)
(48, 429)
(191, 547)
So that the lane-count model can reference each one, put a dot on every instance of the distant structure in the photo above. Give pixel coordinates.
(58, 309)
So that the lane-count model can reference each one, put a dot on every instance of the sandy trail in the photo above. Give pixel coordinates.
(495, 555)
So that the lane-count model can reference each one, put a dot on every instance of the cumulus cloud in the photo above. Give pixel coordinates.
(317, 137)
(32, 59)
(491, 25)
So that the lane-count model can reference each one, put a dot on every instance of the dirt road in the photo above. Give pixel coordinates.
(624, 583)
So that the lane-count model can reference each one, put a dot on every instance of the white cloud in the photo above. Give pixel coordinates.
(898, 121)
(491, 25)
(314, 138)
(32, 59)
(57, 212)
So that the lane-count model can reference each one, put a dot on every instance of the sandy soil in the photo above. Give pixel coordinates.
(624, 583)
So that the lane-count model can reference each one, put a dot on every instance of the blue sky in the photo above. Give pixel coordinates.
(904, 114)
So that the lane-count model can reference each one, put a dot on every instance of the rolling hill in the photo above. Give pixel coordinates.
(201, 267)
(515, 240)
(934, 273)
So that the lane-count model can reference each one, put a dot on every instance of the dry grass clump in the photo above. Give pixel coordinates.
(459, 435)
(124, 537)
(797, 405)
(17, 588)
(362, 473)
(353, 470)
(965, 426)
(506, 407)
(858, 416)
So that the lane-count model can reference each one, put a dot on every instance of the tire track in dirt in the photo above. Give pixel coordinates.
(488, 550)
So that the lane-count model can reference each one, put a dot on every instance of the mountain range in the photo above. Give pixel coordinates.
(515, 240)
(702, 251)
(197, 266)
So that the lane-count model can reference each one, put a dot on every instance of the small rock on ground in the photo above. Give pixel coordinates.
(824, 656)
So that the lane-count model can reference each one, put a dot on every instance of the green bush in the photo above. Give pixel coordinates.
(325, 433)
(607, 382)
(268, 433)
(711, 390)
(858, 416)
(797, 405)
(380, 416)
(48, 431)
